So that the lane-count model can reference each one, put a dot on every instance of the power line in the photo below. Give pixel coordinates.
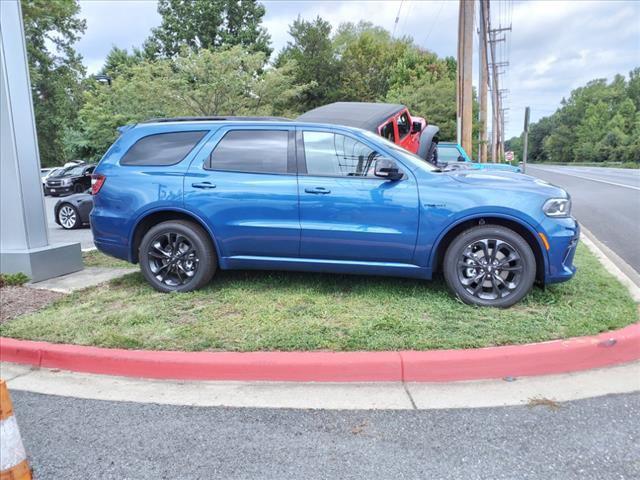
(435, 22)
(395, 24)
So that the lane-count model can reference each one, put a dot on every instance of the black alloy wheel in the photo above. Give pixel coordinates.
(490, 266)
(177, 256)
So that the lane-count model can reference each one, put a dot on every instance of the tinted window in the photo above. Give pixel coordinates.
(337, 155)
(387, 132)
(403, 125)
(162, 148)
(257, 151)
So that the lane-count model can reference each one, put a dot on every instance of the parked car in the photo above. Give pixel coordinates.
(46, 173)
(390, 120)
(73, 211)
(185, 198)
(74, 179)
(452, 155)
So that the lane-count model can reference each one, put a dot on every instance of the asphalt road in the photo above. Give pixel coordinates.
(57, 234)
(606, 201)
(69, 438)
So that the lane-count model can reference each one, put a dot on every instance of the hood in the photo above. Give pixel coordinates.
(502, 179)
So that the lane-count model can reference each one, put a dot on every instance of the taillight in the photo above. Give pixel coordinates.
(97, 181)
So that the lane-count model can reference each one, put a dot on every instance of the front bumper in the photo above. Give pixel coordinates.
(563, 236)
(58, 190)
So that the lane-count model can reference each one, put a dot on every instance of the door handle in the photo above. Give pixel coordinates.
(318, 190)
(204, 185)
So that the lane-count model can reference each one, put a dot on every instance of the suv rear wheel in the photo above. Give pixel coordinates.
(177, 256)
(490, 266)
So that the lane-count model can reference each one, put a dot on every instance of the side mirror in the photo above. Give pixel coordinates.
(461, 158)
(416, 127)
(387, 169)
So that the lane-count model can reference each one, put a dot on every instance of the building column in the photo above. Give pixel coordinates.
(24, 240)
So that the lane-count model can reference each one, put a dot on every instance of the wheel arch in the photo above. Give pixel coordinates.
(154, 217)
(523, 229)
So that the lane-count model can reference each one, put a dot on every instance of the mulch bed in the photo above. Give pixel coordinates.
(16, 301)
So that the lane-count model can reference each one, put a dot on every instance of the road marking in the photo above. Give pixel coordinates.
(587, 178)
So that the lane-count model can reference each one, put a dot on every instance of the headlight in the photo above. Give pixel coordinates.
(557, 207)
(66, 181)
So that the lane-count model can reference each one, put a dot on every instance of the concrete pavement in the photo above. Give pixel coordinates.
(57, 234)
(308, 395)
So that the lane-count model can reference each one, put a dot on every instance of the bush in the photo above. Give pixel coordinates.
(12, 279)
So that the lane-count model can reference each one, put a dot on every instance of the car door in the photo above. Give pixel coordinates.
(347, 213)
(243, 183)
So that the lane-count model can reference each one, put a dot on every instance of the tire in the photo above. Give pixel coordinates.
(68, 217)
(478, 271)
(166, 263)
(78, 188)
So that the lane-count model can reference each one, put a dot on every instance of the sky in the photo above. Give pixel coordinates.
(553, 47)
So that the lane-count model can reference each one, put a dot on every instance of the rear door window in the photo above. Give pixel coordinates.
(252, 151)
(162, 149)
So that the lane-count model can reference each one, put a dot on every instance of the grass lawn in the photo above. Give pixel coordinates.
(246, 311)
(96, 259)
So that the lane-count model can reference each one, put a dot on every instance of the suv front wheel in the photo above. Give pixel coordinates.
(177, 256)
(490, 266)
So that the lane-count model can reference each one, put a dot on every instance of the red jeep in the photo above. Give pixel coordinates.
(390, 120)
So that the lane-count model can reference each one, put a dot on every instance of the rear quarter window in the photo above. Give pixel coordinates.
(162, 148)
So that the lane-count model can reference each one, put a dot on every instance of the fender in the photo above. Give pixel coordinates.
(478, 215)
(183, 211)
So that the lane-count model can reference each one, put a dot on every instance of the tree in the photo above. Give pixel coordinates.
(316, 63)
(227, 81)
(208, 24)
(597, 123)
(55, 69)
(368, 56)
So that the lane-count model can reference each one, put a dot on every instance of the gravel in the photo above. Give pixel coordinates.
(16, 301)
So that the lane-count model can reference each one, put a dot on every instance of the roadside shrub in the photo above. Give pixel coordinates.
(12, 279)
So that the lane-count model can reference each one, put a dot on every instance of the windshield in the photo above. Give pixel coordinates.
(406, 155)
(74, 171)
(448, 153)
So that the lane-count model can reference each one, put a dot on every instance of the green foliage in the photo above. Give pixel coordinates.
(316, 63)
(208, 24)
(12, 279)
(227, 81)
(600, 122)
(55, 69)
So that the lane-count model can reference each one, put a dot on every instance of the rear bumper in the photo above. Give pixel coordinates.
(563, 244)
(108, 236)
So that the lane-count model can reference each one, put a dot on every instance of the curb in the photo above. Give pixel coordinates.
(554, 357)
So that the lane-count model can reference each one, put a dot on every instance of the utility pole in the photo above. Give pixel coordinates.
(526, 140)
(497, 147)
(465, 70)
(483, 82)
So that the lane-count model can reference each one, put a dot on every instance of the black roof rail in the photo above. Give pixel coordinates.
(218, 119)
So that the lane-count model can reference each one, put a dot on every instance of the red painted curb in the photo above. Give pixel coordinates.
(558, 356)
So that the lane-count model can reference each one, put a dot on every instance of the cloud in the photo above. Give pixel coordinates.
(554, 47)
(124, 24)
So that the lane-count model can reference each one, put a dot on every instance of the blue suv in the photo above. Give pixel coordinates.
(184, 197)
